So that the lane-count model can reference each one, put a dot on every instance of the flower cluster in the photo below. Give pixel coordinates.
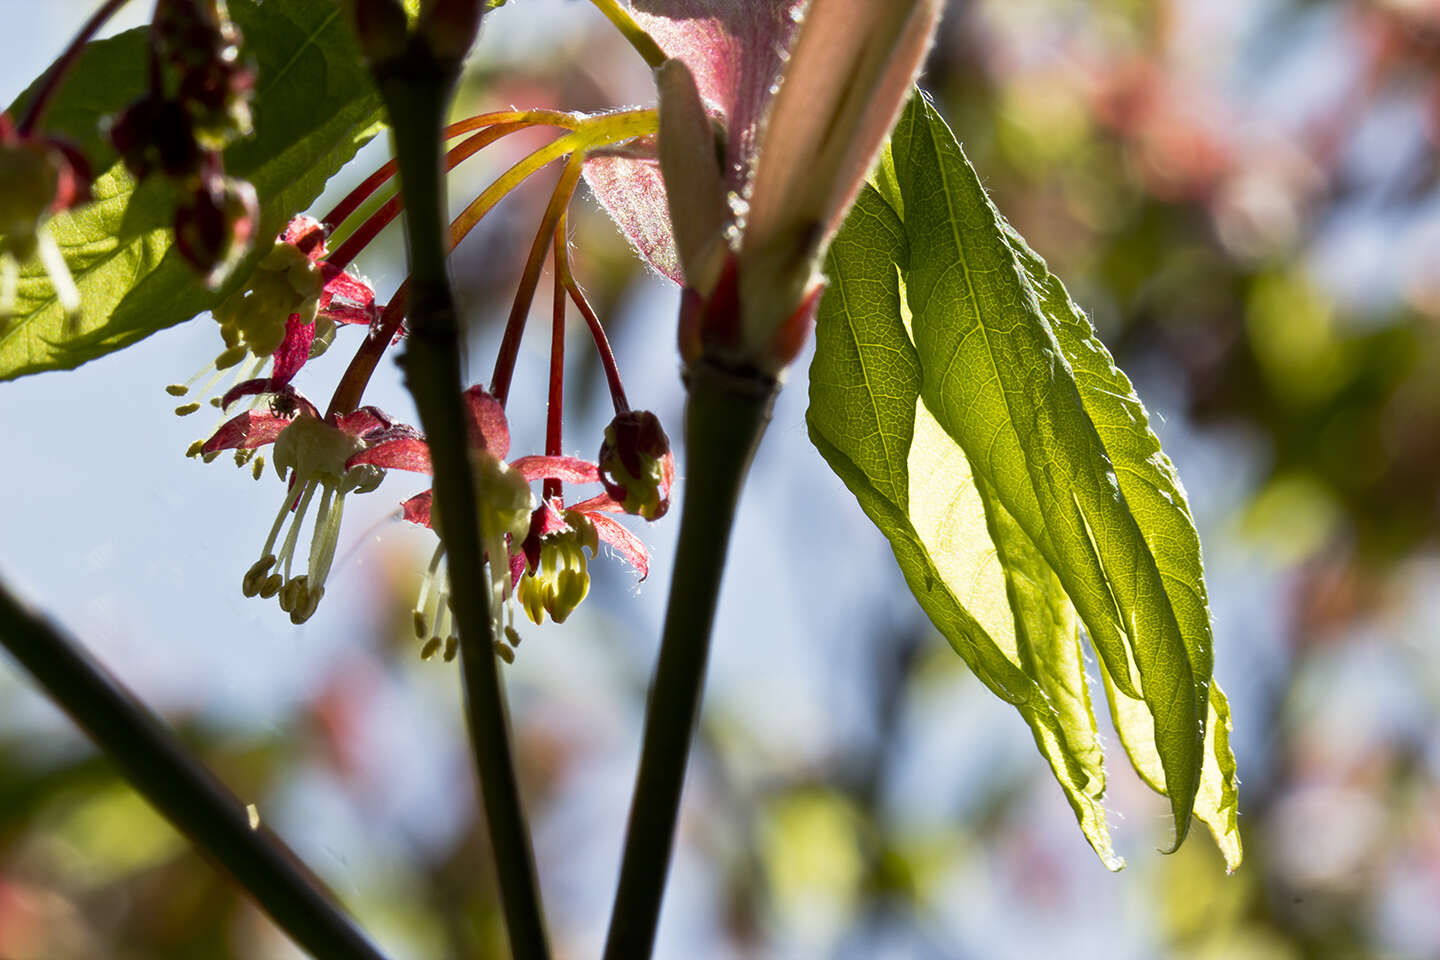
(286, 314)
(537, 548)
(198, 102)
(730, 188)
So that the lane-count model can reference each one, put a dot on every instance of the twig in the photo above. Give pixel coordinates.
(185, 793)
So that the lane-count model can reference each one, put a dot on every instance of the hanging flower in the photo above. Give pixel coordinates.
(285, 316)
(39, 176)
(291, 281)
(315, 452)
(636, 465)
(803, 96)
(524, 543)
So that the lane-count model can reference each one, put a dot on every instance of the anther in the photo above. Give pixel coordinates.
(452, 647)
(418, 620)
(255, 576)
(512, 635)
(194, 449)
(258, 470)
(185, 409)
(504, 652)
(230, 357)
(177, 389)
(271, 586)
(432, 647)
(210, 457)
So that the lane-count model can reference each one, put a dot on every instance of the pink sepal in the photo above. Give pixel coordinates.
(253, 428)
(568, 469)
(623, 541)
(399, 453)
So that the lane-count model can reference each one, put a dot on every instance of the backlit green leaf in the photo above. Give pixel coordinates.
(995, 377)
(1023, 485)
(914, 482)
(1157, 500)
(314, 107)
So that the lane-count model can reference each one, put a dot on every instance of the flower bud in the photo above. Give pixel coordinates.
(191, 33)
(217, 96)
(381, 28)
(215, 225)
(636, 465)
(449, 27)
(153, 133)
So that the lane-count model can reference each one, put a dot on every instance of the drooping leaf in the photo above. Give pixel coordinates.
(915, 483)
(1156, 497)
(995, 377)
(314, 107)
(1032, 478)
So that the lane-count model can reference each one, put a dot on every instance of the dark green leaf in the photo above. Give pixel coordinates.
(314, 107)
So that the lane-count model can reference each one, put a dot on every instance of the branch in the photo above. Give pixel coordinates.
(185, 792)
(416, 88)
(724, 419)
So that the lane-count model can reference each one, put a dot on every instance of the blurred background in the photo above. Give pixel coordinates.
(1246, 196)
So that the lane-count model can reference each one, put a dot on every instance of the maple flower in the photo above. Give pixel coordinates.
(287, 313)
(39, 176)
(524, 543)
(315, 451)
(804, 95)
(636, 464)
(292, 280)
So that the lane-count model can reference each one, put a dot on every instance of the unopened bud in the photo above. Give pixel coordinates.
(215, 225)
(381, 28)
(636, 465)
(449, 27)
(156, 134)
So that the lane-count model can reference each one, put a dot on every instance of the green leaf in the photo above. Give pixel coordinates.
(915, 483)
(1023, 485)
(996, 379)
(314, 107)
(1156, 497)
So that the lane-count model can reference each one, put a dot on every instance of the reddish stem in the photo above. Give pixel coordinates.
(520, 309)
(61, 67)
(380, 177)
(597, 333)
(554, 419)
(391, 208)
(356, 378)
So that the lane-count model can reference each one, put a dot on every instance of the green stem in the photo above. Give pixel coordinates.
(643, 43)
(416, 90)
(724, 419)
(185, 793)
